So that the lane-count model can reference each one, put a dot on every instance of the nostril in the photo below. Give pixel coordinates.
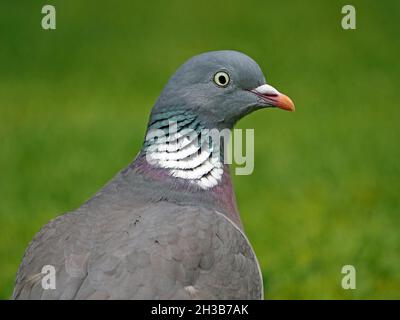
(270, 94)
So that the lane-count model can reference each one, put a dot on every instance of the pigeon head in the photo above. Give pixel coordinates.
(219, 88)
(210, 91)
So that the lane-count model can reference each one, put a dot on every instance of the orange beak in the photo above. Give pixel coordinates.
(273, 97)
(283, 102)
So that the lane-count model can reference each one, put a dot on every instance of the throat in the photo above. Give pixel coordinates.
(181, 146)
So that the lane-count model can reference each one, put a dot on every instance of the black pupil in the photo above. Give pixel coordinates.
(222, 79)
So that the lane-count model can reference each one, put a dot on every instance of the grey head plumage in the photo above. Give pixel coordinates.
(167, 226)
(220, 87)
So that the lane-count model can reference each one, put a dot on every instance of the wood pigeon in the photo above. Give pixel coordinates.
(167, 226)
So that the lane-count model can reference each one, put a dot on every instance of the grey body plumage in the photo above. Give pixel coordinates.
(149, 233)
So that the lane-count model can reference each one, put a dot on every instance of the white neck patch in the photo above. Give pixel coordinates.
(186, 157)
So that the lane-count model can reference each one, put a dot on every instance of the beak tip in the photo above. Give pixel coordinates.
(285, 103)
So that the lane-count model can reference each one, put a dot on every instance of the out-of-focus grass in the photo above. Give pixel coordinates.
(325, 191)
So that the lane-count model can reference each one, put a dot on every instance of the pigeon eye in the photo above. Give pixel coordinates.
(221, 79)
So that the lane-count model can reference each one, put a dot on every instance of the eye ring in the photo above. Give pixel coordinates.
(221, 79)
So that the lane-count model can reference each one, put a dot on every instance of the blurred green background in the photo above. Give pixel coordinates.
(74, 104)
